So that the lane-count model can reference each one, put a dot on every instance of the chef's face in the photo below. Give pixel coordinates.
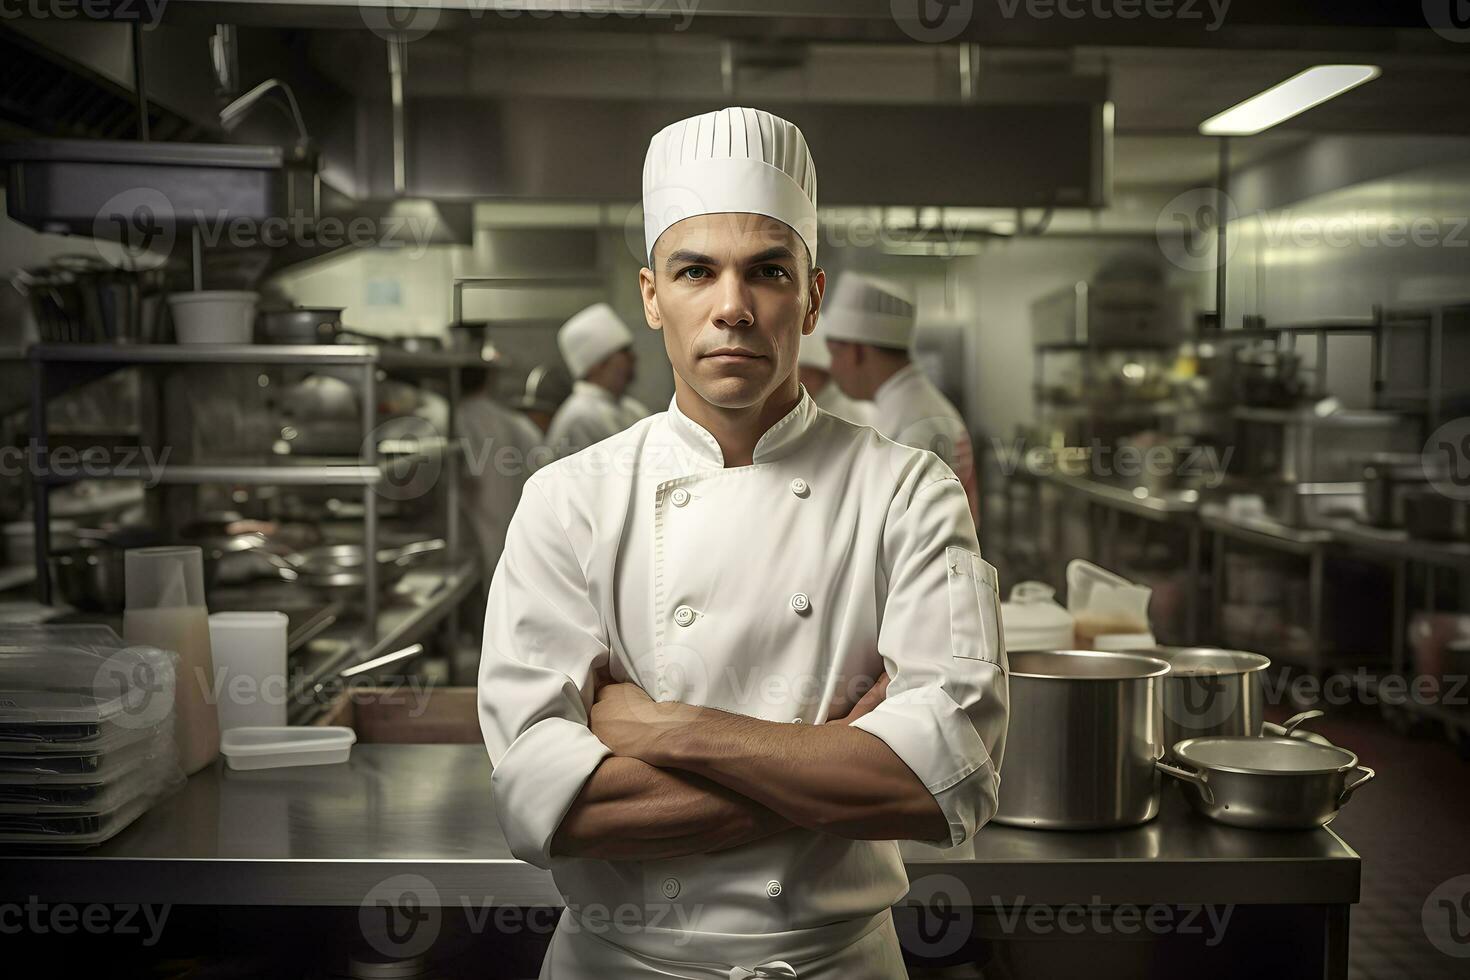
(733, 295)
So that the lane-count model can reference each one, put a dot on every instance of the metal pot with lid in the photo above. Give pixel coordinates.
(1268, 783)
(1086, 729)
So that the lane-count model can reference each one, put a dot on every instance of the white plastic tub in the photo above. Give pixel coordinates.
(280, 747)
(214, 316)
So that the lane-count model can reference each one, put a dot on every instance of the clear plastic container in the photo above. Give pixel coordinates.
(73, 830)
(1034, 620)
(279, 747)
(144, 743)
(165, 608)
(57, 696)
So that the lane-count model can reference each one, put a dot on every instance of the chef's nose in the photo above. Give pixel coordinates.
(732, 303)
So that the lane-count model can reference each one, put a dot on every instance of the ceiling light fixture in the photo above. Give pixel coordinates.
(1287, 99)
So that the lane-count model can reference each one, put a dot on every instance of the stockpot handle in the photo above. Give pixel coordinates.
(1199, 779)
(1350, 788)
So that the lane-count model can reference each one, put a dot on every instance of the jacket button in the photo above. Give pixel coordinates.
(800, 602)
(773, 889)
(680, 497)
(683, 615)
(671, 888)
(799, 487)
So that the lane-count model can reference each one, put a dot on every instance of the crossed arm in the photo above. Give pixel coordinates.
(687, 780)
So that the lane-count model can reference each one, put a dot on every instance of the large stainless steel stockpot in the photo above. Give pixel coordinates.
(1211, 692)
(1085, 731)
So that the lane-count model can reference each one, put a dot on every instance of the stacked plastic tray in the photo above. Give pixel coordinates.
(86, 735)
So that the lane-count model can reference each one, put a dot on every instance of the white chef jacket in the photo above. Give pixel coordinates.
(502, 447)
(590, 414)
(907, 408)
(763, 590)
(832, 401)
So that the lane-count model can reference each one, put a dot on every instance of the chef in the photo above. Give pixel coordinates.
(870, 325)
(814, 367)
(735, 652)
(501, 448)
(598, 349)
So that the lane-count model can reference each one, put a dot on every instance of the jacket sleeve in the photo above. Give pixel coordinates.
(940, 638)
(543, 642)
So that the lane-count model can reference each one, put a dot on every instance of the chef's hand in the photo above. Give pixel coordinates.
(628, 721)
(871, 699)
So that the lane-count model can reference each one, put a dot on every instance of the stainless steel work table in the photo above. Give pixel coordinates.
(326, 835)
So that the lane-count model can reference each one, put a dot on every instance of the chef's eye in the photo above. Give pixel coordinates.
(693, 272)
(772, 272)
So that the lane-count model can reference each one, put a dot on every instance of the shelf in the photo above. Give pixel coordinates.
(205, 353)
(294, 476)
(1053, 346)
(1265, 531)
(425, 598)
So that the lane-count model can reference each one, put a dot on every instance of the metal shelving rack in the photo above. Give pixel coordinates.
(57, 368)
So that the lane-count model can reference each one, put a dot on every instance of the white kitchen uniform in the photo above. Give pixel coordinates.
(832, 401)
(501, 448)
(766, 590)
(907, 408)
(589, 415)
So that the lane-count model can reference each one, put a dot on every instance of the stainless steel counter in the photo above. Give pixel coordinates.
(327, 835)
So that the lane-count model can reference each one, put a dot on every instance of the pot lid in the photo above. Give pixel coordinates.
(1270, 755)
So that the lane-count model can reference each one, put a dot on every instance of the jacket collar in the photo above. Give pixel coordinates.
(776, 442)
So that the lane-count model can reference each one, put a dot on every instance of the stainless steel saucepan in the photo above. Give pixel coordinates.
(1266, 783)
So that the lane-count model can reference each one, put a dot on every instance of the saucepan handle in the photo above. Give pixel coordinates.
(1291, 723)
(1197, 778)
(1350, 788)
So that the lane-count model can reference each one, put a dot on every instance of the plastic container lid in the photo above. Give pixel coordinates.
(164, 578)
(1034, 620)
(278, 747)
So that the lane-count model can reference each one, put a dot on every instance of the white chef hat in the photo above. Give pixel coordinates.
(590, 336)
(865, 310)
(733, 160)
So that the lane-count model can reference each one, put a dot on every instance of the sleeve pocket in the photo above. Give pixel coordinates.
(974, 608)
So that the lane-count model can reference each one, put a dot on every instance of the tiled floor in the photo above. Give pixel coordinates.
(1412, 828)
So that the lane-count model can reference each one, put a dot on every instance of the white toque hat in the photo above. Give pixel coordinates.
(590, 336)
(733, 160)
(865, 310)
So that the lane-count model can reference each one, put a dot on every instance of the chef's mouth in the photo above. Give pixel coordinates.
(733, 352)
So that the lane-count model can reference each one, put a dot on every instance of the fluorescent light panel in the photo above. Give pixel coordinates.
(1290, 98)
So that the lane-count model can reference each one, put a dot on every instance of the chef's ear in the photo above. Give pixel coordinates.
(649, 290)
(816, 286)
